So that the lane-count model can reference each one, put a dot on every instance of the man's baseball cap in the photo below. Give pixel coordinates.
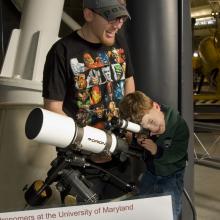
(109, 9)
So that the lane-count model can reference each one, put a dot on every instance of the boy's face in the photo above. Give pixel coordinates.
(154, 120)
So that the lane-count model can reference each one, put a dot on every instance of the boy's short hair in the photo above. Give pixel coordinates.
(134, 106)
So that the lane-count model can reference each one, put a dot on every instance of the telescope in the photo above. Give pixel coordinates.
(62, 131)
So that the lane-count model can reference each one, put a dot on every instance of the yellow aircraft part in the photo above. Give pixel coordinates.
(209, 53)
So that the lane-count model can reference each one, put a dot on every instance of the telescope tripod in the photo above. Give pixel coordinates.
(67, 170)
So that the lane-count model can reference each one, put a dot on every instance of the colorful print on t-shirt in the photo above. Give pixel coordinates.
(99, 80)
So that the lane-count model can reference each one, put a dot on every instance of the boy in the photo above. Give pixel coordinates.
(165, 150)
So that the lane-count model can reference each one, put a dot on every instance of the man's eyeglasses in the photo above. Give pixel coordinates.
(120, 19)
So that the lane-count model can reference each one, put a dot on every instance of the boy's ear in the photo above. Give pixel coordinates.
(88, 14)
(156, 106)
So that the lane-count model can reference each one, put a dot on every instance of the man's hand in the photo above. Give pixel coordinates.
(128, 137)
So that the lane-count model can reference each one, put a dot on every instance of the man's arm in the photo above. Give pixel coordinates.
(54, 106)
(129, 85)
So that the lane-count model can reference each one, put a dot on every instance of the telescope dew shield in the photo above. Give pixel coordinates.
(50, 128)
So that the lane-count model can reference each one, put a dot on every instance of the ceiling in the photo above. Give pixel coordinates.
(199, 8)
(204, 8)
(197, 3)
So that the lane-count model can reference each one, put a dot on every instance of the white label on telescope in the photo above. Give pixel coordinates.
(94, 140)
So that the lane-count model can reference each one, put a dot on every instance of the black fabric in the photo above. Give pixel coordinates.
(88, 77)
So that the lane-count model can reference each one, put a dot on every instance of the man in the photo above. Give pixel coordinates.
(90, 70)
(165, 149)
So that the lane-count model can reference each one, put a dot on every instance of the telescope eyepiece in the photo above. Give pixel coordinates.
(116, 122)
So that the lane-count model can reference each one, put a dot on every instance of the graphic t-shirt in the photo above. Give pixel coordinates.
(88, 77)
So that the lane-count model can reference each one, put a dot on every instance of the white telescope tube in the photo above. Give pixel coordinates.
(96, 140)
(130, 126)
(51, 128)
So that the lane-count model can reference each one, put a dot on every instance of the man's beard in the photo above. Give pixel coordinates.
(107, 42)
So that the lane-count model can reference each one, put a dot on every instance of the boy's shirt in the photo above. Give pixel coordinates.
(172, 145)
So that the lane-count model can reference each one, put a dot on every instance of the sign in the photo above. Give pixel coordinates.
(154, 208)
